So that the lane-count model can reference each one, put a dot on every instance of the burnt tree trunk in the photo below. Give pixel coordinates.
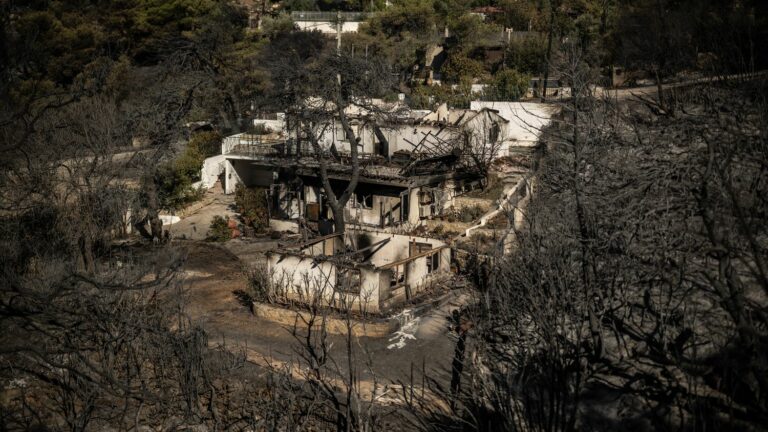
(337, 203)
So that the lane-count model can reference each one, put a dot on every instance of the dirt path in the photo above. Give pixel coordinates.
(215, 281)
(195, 225)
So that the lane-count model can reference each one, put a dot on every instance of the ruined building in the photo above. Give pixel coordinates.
(412, 167)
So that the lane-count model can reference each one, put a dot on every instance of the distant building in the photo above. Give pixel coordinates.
(329, 22)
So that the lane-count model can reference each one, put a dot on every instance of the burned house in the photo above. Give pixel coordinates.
(364, 270)
(411, 167)
(390, 192)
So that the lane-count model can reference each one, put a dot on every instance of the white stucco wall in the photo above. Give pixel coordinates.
(413, 206)
(328, 27)
(398, 248)
(240, 170)
(277, 126)
(373, 216)
(213, 167)
(297, 274)
(526, 120)
(231, 177)
(293, 272)
(480, 127)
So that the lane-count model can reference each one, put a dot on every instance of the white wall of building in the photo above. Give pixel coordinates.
(328, 27)
(231, 177)
(240, 170)
(372, 216)
(213, 167)
(526, 120)
(302, 278)
(277, 125)
(397, 247)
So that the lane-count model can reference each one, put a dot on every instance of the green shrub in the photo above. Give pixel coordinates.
(201, 146)
(527, 56)
(252, 205)
(219, 230)
(174, 180)
(174, 188)
(460, 67)
(507, 85)
(427, 97)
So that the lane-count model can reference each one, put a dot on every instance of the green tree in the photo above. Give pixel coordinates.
(526, 55)
(459, 66)
(399, 35)
(508, 85)
(470, 31)
(518, 15)
(201, 146)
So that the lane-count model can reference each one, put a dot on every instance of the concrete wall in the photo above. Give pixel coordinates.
(413, 206)
(481, 131)
(301, 278)
(213, 167)
(231, 177)
(526, 120)
(242, 171)
(277, 125)
(398, 248)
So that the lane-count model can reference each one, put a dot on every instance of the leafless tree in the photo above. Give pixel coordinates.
(330, 313)
(320, 89)
(637, 276)
(94, 334)
(483, 140)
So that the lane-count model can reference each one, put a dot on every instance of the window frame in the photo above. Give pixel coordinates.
(433, 262)
(397, 277)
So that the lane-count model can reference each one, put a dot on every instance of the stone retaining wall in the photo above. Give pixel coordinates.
(334, 325)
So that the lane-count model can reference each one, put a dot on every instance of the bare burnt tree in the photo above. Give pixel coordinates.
(337, 385)
(94, 334)
(483, 139)
(322, 91)
(636, 283)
